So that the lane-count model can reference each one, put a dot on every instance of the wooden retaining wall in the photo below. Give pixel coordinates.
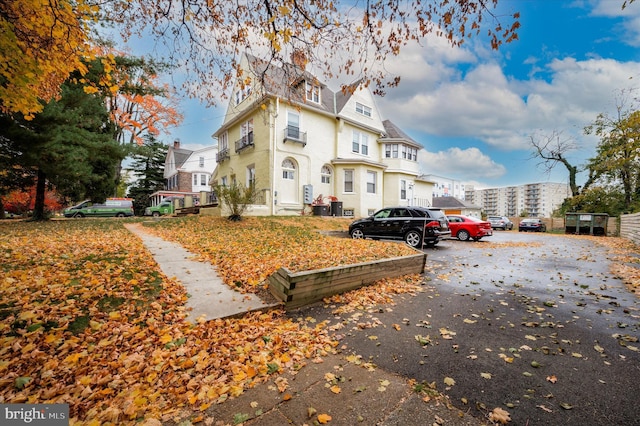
(300, 288)
(630, 227)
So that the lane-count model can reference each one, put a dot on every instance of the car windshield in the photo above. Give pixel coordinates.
(474, 219)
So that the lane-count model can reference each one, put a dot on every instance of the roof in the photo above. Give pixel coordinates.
(452, 203)
(394, 132)
(180, 156)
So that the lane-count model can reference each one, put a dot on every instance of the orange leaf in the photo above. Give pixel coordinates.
(286, 397)
(324, 418)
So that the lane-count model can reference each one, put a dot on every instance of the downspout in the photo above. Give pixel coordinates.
(274, 117)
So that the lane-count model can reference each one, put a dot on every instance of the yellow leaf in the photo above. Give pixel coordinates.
(324, 418)
(449, 381)
(335, 389)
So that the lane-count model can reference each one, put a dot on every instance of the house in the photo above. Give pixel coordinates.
(187, 173)
(453, 205)
(302, 143)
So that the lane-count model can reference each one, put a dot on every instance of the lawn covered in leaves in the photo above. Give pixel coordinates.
(87, 318)
(247, 252)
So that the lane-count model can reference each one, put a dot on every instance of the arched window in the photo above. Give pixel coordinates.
(325, 174)
(288, 169)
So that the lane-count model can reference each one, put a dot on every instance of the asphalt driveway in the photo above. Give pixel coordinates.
(532, 323)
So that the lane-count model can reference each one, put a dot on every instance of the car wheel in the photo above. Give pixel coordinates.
(357, 234)
(78, 215)
(477, 238)
(463, 235)
(413, 238)
(120, 215)
(155, 214)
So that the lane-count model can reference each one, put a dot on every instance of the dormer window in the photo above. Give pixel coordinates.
(242, 93)
(313, 92)
(363, 109)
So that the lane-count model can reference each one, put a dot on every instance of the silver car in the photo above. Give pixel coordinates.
(500, 222)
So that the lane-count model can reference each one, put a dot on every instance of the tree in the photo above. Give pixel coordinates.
(617, 159)
(552, 150)
(148, 166)
(69, 144)
(44, 42)
(597, 199)
(237, 198)
(41, 43)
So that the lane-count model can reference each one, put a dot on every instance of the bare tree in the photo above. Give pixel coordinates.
(551, 150)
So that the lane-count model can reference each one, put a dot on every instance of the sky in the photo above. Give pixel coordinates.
(475, 109)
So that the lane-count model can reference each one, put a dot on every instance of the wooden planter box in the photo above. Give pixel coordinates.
(300, 288)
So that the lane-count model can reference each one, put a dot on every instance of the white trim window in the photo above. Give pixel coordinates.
(288, 169)
(313, 92)
(348, 181)
(223, 142)
(201, 161)
(246, 130)
(293, 124)
(203, 180)
(403, 189)
(251, 175)
(195, 179)
(371, 182)
(325, 174)
(360, 143)
(363, 109)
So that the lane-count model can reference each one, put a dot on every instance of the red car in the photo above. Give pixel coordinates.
(465, 227)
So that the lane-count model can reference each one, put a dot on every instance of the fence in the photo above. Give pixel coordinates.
(630, 227)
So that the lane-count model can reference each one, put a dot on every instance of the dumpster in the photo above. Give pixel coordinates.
(586, 223)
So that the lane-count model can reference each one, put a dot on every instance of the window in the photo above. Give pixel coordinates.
(293, 125)
(251, 175)
(313, 92)
(201, 161)
(363, 109)
(203, 180)
(242, 93)
(223, 141)
(403, 189)
(195, 179)
(371, 182)
(246, 131)
(348, 181)
(224, 181)
(288, 169)
(325, 174)
(360, 143)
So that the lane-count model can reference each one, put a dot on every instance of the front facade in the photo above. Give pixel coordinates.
(531, 200)
(186, 173)
(303, 144)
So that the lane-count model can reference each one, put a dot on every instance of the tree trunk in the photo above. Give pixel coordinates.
(41, 186)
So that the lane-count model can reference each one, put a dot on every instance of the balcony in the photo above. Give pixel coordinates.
(244, 142)
(293, 134)
(222, 155)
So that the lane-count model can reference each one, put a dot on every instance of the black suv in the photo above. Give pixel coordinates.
(411, 224)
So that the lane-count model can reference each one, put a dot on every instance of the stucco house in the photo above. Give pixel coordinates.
(301, 142)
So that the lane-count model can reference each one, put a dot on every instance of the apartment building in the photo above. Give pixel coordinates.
(532, 200)
(301, 143)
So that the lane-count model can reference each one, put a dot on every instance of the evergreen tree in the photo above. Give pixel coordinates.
(148, 166)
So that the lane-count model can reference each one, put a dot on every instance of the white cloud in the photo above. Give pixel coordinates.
(468, 164)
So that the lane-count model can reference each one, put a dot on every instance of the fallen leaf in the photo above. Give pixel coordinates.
(486, 375)
(449, 381)
(552, 379)
(500, 416)
(324, 418)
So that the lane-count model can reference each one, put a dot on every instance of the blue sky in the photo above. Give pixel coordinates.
(474, 110)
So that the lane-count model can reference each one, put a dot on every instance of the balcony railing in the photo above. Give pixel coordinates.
(222, 155)
(293, 134)
(244, 142)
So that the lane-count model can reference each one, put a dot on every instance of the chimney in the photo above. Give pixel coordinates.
(176, 144)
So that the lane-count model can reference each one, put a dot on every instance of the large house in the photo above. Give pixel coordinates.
(186, 173)
(303, 144)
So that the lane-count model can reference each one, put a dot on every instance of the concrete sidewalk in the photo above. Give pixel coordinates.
(209, 296)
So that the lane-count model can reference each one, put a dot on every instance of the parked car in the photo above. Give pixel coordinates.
(165, 207)
(466, 227)
(415, 225)
(118, 207)
(500, 222)
(532, 224)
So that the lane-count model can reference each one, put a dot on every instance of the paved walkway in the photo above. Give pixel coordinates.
(209, 296)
